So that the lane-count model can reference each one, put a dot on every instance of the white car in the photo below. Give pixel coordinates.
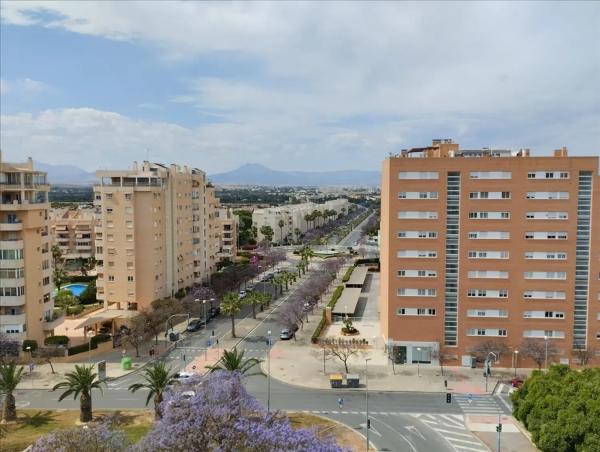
(242, 294)
(183, 375)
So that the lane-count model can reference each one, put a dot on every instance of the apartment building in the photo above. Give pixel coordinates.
(489, 245)
(227, 229)
(72, 230)
(151, 233)
(293, 216)
(26, 303)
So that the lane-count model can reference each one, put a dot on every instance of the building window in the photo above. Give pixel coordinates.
(490, 175)
(548, 175)
(109, 210)
(489, 215)
(128, 196)
(111, 278)
(418, 175)
(108, 195)
(489, 195)
(130, 279)
(547, 215)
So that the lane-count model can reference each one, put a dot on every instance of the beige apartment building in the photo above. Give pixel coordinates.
(151, 233)
(489, 245)
(72, 230)
(26, 303)
(213, 236)
(227, 228)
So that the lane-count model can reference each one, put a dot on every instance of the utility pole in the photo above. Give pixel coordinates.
(367, 399)
(499, 430)
(269, 342)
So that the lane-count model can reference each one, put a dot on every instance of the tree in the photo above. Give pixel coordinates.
(80, 383)
(233, 361)
(281, 224)
(95, 438)
(65, 299)
(297, 233)
(59, 275)
(267, 232)
(157, 378)
(539, 350)
(9, 348)
(483, 349)
(88, 296)
(10, 377)
(137, 333)
(232, 305)
(308, 219)
(443, 355)
(341, 349)
(584, 354)
(221, 415)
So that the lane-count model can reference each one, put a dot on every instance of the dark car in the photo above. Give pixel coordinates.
(214, 311)
(195, 325)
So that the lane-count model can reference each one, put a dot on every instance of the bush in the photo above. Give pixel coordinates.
(30, 343)
(180, 294)
(99, 338)
(88, 296)
(348, 273)
(336, 295)
(81, 278)
(80, 348)
(56, 340)
(74, 310)
(315, 337)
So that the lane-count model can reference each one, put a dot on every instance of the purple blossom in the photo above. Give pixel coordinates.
(94, 438)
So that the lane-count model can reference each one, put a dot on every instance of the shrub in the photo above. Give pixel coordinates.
(315, 337)
(56, 340)
(30, 343)
(88, 296)
(348, 273)
(81, 278)
(336, 295)
(180, 294)
(76, 349)
(74, 310)
(99, 338)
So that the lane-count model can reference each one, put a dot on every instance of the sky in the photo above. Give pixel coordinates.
(292, 85)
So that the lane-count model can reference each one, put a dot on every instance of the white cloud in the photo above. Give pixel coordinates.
(344, 83)
(25, 86)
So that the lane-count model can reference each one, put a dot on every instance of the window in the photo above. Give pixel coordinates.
(488, 254)
(487, 293)
(12, 273)
(550, 334)
(489, 235)
(491, 175)
(129, 237)
(500, 313)
(108, 195)
(46, 281)
(111, 278)
(129, 252)
(109, 210)
(129, 224)
(418, 175)
(498, 332)
(128, 196)
(110, 237)
(546, 235)
(547, 215)
(544, 295)
(11, 254)
(418, 195)
(130, 279)
(417, 253)
(488, 274)
(546, 255)
(417, 234)
(545, 275)
(489, 195)
(409, 292)
(417, 273)
(416, 311)
(489, 215)
(417, 214)
(547, 195)
(548, 175)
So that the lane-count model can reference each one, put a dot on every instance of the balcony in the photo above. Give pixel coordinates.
(18, 319)
(52, 322)
(11, 245)
(11, 226)
(12, 282)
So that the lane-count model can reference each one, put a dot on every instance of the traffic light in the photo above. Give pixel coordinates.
(499, 428)
(368, 424)
(448, 397)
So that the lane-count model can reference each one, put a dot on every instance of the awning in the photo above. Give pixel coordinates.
(104, 316)
(347, 302)
(357, 278)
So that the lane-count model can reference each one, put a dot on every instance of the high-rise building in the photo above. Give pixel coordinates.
(26, 302)
(227, 228)
(489, 246)
(151, 233)
(72, 230)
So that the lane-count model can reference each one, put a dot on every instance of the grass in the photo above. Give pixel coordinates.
(31, 424)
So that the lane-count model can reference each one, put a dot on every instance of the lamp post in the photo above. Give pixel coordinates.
(90, 348)
(367, 399)
(269, 341)
(515, 359)
(419, 362)
(204, 311)
(546, 354)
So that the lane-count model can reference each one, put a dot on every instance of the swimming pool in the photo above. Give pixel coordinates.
(75, 288)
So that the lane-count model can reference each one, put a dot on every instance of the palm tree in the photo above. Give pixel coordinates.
(253, 298)
(10, 377)
(308, 219)
(80, 382)
(232, 305)
(281, 224)
(333, 213)
(158, 378)
(297, 233)
(315, 216)
(233, 361)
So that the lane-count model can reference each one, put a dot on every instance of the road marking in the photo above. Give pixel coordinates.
(414, 430)
(459, 447)
(397, 432)
(453, 433)
(372, 429)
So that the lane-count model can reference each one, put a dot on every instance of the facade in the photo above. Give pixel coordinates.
(213, 230)
(26, 303)
(227, 228)
(489, 245)
(293, 216)
(72, 230)
(151, 233)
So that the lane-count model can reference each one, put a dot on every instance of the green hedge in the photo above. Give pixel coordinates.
(75, 310)
(99, 338)
(315, 337)
(30, 343)
(56, 340)
(81, 278)
(336, 295)
(86, 346)
(346, 277)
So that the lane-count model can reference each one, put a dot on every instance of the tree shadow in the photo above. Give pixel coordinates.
(36, 420)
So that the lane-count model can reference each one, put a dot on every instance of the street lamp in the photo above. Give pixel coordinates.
(515, 359)
(269, 341)
(367, 398)
(204, 311)
(546, 355)
(419, 362)
(91, 335)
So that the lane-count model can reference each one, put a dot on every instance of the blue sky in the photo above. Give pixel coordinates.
(304, 86)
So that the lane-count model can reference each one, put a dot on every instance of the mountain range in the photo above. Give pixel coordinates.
(248, 174)
(256, 174)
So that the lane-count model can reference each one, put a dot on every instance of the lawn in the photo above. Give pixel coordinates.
(31, 424)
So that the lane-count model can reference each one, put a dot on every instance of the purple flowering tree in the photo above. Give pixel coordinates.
(94, 438)
(216, 413)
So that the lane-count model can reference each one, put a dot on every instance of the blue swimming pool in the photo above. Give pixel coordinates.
(75, 288)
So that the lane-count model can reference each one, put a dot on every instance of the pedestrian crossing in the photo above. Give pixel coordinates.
(452, 428)
(477, 403)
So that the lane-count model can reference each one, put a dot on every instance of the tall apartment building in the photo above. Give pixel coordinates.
(72, 230)
(480, 245)
(227, 228)
(293, 218)
(151, 233)
(26, 303)
(213, 236)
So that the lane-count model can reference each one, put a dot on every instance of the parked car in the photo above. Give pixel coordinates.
(249, 287)
(195, 325)
(286, 334)
(183, 375)
(214, 311)
(516, 382)
(242, 294)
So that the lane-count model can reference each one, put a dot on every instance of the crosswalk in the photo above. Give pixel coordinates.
(452, 428)
(477, 403)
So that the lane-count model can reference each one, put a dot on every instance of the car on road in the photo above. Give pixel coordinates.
(286, 334)
(214, 311)
(183, 375)
(195, 325)
(242, 294)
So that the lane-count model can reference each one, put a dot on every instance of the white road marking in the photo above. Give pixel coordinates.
(414, 430)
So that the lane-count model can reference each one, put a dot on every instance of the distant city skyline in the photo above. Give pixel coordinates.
(293, 86)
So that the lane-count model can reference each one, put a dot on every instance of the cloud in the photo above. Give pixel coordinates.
(25, 86)
(344, 83)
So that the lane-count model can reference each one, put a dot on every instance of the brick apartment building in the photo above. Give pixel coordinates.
(480, 245)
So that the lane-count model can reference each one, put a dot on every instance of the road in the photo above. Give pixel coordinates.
(412, 422)
(354, 236)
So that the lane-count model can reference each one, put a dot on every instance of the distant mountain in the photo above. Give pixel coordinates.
(255, 174)
(66, 174)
